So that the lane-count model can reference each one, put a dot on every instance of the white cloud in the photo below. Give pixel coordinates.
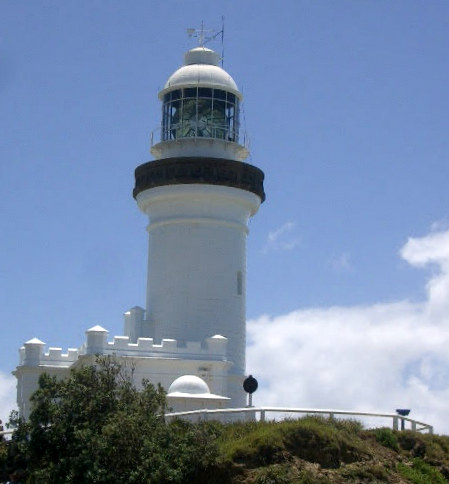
(282, 238)
(7, 396)
(374, 358)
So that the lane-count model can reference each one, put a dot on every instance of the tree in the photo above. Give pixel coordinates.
(96, 427)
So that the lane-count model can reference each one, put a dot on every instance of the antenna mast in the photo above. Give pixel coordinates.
(222, 40)
(206, 35)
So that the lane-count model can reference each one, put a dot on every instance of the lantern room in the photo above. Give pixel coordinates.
(200, 112)
(200, 101)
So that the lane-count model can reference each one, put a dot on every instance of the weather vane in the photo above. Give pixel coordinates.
(206, 35)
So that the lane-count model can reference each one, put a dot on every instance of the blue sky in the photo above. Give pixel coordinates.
(346, 106)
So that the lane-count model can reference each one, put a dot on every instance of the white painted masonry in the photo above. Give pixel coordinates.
(197, 262)
(159, 363)
(198, 196)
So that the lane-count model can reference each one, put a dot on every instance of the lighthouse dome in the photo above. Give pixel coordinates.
(201, 68)
(189, 384)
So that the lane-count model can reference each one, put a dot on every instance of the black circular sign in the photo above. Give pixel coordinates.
(250, 384)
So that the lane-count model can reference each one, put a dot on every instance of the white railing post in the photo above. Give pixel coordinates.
(262, 415)
(395, 423)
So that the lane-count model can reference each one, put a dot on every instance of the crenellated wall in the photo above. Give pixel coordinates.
(210, 348)
(32, 352)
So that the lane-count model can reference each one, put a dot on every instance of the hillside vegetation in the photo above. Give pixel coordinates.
(95, 427)
(311, 450)
(314, 450)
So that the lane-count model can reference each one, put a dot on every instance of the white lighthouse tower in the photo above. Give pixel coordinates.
(199, 196)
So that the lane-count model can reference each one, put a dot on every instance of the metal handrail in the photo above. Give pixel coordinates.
(204, 413)
(331, 413)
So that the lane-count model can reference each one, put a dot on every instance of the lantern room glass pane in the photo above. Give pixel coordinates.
(219, 119)
(230, 124)
(190, 92)
(187, 127)
(219, 94)
(204, 92)
(204, 119)
(173, 121)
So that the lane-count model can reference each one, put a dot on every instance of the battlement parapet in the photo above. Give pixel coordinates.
(97, 343)
(32, 352)
(214, 347)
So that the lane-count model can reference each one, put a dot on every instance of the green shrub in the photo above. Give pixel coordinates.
(307, 477)
(118, 434)
(327, 442)
(436, 449)
(274, 474)
(413, 443)
(283, 474)
(261, 445)
(421, 473)
(387, 438)
(370, 473)
(308, 440)
(350, 426)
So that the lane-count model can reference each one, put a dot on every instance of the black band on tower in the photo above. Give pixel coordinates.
(189, 170)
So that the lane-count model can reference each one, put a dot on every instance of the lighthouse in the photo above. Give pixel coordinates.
(199, 195)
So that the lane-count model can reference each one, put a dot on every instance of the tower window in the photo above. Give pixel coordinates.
(239, 283)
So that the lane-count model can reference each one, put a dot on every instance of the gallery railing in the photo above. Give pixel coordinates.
(183, 131)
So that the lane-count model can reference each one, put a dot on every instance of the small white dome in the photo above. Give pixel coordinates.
(201, 69)
(201, 55)
(190, 384)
